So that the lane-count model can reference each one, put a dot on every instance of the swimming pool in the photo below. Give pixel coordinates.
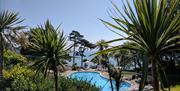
(98, 80)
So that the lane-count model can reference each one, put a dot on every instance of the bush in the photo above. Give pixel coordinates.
(23, 79)
(72, 84)
(74, 66)
(12, 58)
(4, 83)
(20, 78)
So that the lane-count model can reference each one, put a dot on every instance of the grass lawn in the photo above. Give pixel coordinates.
(175, 88)
(127, 73)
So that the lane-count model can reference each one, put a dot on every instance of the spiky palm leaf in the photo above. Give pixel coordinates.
(49, 48)
(151, 27)
(8, 22)
(100, 46)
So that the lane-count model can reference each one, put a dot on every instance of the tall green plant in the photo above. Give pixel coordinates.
(151, 26)
(116, 73)
(122, 59)
(8, 21)
(49, 48)
(75, 36)
(100, 59)
(103, 59)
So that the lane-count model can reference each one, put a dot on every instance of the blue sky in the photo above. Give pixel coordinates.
(80, 15)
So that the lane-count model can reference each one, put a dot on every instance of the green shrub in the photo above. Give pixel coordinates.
(71, 84)
(23, 79)
(4, 83)
(12, 58)
(74, 66)
(18, 77)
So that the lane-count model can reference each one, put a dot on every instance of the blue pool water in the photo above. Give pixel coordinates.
(98, 80)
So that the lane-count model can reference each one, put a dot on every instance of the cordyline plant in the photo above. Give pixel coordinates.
(150, 25)
(48, 45)
(9, 21)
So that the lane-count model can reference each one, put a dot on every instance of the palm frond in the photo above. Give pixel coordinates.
(49, 47)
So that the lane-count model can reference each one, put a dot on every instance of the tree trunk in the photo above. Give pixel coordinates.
(1, 55)
(117, 59)
(56, 78)
(74, 53)
(117, 84)
(110, 78)
(82, 60)
(139, 64)
(155, 76)
(135, 64)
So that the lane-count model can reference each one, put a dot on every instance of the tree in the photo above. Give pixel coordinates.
(151, 27)
(101, 45)
(76, 37)
(84, 45)
(48, 45)
(116, 73)
(121, 57)
(103, 59)
(134, 55)
(8, 21)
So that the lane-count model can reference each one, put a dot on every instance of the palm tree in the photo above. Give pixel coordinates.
(151, 27)
(49, 48)
(101, 45)
(120, 56)
(116, 73)
(123, 59)
(103, 59)
(8, 22)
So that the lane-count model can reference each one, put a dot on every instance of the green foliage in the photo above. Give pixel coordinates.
(20, 78)
(8, 22)
(151, 27)
(49, 47)
(74, 66)
(12, 58)
(4, 83)
(9, 19)
(101, 58)
(70, 84)
(23, 79)
(116, 73)
(84, 60)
